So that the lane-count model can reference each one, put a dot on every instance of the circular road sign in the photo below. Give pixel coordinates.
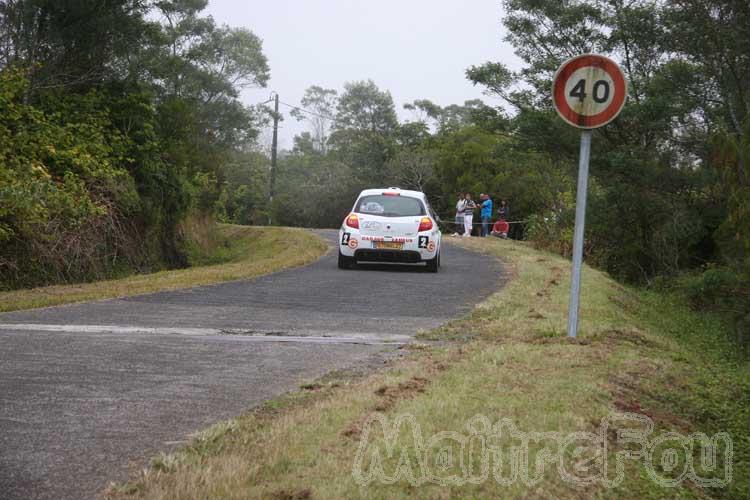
(589, 91)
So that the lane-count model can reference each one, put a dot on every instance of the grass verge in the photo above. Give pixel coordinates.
(637, 353)
(228, 252)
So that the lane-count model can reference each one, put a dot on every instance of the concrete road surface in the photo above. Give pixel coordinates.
(90, 391)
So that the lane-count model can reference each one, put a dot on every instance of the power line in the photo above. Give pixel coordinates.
(270, 99)
(308, 111)
(298, 109)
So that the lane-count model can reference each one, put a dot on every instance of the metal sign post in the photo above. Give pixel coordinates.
(588, 92)
(581, 191)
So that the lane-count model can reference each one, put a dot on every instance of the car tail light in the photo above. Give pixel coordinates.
(425, 224)
(353, 221)
(390, 193)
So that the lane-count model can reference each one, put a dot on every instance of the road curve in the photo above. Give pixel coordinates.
(89, 391)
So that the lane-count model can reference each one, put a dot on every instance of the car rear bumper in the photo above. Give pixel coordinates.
(387, 255)
(416, 248)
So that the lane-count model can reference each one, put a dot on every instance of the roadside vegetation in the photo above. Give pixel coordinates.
(215, 253)
(638, 352)
(118, 121)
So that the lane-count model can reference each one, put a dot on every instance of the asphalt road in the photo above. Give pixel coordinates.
(89, 392)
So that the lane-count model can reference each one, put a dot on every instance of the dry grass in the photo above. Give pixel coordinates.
(518, 366)
(233, 252)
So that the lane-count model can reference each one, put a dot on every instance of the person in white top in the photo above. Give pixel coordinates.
(460, 209)
(468, 214)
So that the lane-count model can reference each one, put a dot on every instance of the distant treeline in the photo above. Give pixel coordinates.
(120, 118)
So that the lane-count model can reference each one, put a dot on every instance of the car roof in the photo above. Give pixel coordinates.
(403, 192)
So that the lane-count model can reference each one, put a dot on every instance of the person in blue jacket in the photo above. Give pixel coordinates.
(485, 213)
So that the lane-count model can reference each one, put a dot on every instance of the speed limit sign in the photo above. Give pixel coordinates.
(589, 91)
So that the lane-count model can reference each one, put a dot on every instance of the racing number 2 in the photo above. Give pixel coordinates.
(600, 91)
(345, 238)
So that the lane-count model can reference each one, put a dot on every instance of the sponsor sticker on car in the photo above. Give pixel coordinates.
(389, 238)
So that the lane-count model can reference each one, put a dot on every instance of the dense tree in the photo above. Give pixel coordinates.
(364, 131)
(413, 169)
(669, 189)
(244, 197)
(69, 43)
(120, 116)
(425, 112)
(315, 190)
(363, 107)
(643, 164)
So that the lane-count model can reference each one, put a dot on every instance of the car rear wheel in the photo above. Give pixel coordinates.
(345, 262)
(433, 264)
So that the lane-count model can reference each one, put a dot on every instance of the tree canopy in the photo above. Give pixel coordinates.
(117, 118)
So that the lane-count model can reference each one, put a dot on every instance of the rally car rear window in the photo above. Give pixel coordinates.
(390, 206)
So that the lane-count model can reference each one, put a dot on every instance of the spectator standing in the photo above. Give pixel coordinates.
(486, 213)
(460, 209)
(468, 214)
(503, 211)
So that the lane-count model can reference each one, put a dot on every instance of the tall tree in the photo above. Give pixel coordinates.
(70, 43)
(365, 108)
(319, 109)
(363, 136)
(645, 152)
(413, 168)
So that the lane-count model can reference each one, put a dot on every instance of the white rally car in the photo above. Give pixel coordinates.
(390, 225)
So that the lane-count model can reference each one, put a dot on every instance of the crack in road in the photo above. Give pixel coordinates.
(244, 335)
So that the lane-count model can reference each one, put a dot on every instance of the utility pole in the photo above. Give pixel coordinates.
(274, 146)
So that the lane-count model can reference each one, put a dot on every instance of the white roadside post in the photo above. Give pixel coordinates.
(588, 92)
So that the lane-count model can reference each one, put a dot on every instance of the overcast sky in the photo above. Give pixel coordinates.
(416, 49)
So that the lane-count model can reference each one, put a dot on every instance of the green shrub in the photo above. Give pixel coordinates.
(80, 198)
(722, 290)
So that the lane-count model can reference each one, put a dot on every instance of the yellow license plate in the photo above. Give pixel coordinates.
(393, 245)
